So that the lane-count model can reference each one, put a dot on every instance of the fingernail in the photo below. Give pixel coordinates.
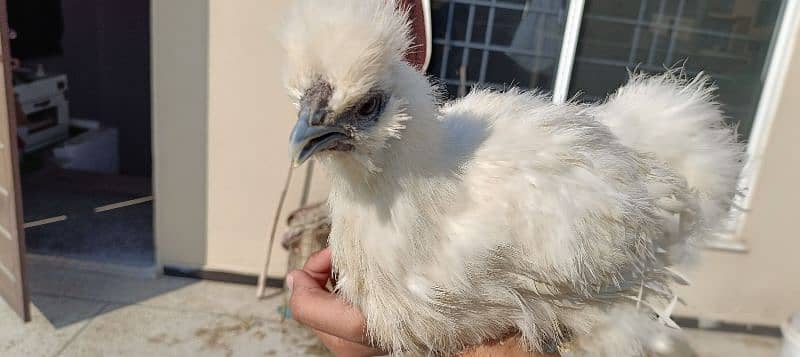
(289, 282)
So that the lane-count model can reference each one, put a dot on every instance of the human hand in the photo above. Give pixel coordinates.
(340, 326)
(509, 347)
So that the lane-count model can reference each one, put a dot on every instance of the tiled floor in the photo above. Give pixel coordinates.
(86, 314)
(722, 344)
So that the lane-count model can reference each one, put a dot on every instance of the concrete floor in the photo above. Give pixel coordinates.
(80, 313)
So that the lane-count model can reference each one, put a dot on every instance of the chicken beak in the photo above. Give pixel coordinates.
(306, 140)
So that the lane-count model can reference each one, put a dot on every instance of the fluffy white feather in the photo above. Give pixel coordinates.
(499, 213)
(678, 120)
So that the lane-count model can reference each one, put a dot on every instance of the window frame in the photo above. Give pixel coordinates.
(779, 57)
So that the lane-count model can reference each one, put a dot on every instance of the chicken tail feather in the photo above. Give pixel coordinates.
(679, 121)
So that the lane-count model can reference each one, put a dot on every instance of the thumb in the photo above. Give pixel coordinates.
(301, 279)
(316, 307)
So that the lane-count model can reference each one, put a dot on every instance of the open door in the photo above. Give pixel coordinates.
(12, 236)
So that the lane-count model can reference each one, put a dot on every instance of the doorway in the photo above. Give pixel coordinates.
(81, 78)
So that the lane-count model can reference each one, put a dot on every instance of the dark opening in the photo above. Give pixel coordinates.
(82, 87)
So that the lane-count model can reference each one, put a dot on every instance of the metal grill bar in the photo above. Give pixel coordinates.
(457, 82)
(584, 59)
(674, 35)
(499, 48)
(468, 38)
(654, 26)
(638, 23)
(447, 35)
(654, 42)
(487, 41)
(637, 32)
(501, 5)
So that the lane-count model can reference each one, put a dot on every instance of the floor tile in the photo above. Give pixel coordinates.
(725, 344)
(149, 331)
(55, 322)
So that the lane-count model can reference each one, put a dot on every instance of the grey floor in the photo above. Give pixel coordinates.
(87, 314)
(123, 236)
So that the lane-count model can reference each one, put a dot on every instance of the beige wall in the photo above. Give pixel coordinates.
(762, 285)
(250, 118)
(221, 126)
(180, 91)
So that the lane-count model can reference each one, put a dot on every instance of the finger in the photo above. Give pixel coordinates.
(317, 308)
(319, 266)
(342, 347)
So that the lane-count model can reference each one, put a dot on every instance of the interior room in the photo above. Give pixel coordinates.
(81, 77)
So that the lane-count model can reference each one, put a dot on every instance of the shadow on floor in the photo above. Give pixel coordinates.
(61, 312)
(53, 287)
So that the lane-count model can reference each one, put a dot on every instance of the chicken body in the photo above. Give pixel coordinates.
(531, 219)
(501, 213)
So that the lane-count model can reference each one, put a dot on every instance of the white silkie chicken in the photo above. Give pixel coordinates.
(500, 213)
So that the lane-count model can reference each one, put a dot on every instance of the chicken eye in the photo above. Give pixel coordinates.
(370, 107)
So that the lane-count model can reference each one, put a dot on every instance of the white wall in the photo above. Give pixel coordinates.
(180, 93)
(762, 285)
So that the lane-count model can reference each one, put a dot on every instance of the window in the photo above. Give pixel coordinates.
(500, 43)
(496, 43)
